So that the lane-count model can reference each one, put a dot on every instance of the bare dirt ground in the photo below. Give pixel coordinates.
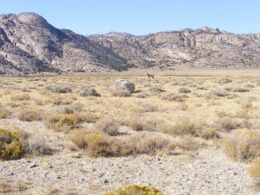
(175, 132)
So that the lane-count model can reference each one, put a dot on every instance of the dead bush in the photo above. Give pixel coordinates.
(240, 90)
(30, 114)
(187, 143)
(156, 88)
(96, 144)
(174, 97)
(21, 97)
(109, 125)
(4, 113)
(61, 89)
(144, 107)
(37, 146)
(63, 122)
(243, 146)
(224, 81)
(135, 190)
(228, 124)
(61, 101)
(254, 169)
(220, 93)
(187, 127)
(139, 123)
(184, 90)
(89, 92)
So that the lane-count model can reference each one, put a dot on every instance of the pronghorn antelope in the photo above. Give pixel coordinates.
(150, 75)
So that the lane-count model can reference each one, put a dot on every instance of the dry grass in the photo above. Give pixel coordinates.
(139, 123)
(135, 190)
(228, 124)
(97, 144)
(63, 122)
(188, 143)
(21, 97)
(4, 113)
(30, 114)
(36, 146)
(243, 146)
(254, 169)
(187, 127)
(109, 126)
(214, 104)
(9, 187)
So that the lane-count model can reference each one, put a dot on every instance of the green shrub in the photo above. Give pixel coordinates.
(10, 145)
(135, 190)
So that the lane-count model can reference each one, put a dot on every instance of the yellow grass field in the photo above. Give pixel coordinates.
(181, 117)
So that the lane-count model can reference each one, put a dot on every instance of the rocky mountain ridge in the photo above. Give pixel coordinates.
(28, 44)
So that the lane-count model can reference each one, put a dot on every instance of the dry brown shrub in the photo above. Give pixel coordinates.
(63, 122)
(4, 113)
(135, 190)
(228, 124)
(62, 101)
(187, 127)
(174, 97)
(139, 123)
(30, 114)
(243, 146)
(10, 187)
(109, 125)
(187, 143)
(36, 146)
(98, 144)
(184, 90)
(254, 169)
(20, 97)
(85, 91)
(5, 186)
(61, 89)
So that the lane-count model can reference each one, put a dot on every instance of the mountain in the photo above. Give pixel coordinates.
(204, 47)
(28, 44)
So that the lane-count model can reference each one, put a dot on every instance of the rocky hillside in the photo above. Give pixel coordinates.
(28, 43)
(203, 47)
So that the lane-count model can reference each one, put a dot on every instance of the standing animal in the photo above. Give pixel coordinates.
(150, 75)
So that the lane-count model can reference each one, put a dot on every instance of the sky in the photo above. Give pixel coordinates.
(141, 17)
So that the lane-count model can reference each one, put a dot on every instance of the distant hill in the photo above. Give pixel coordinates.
(28, 44)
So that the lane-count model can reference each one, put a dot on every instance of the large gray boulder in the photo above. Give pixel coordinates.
(125, 85)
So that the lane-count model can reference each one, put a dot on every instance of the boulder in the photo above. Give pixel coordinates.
(125, 85)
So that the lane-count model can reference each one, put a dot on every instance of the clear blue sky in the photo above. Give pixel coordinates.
(142, 16)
